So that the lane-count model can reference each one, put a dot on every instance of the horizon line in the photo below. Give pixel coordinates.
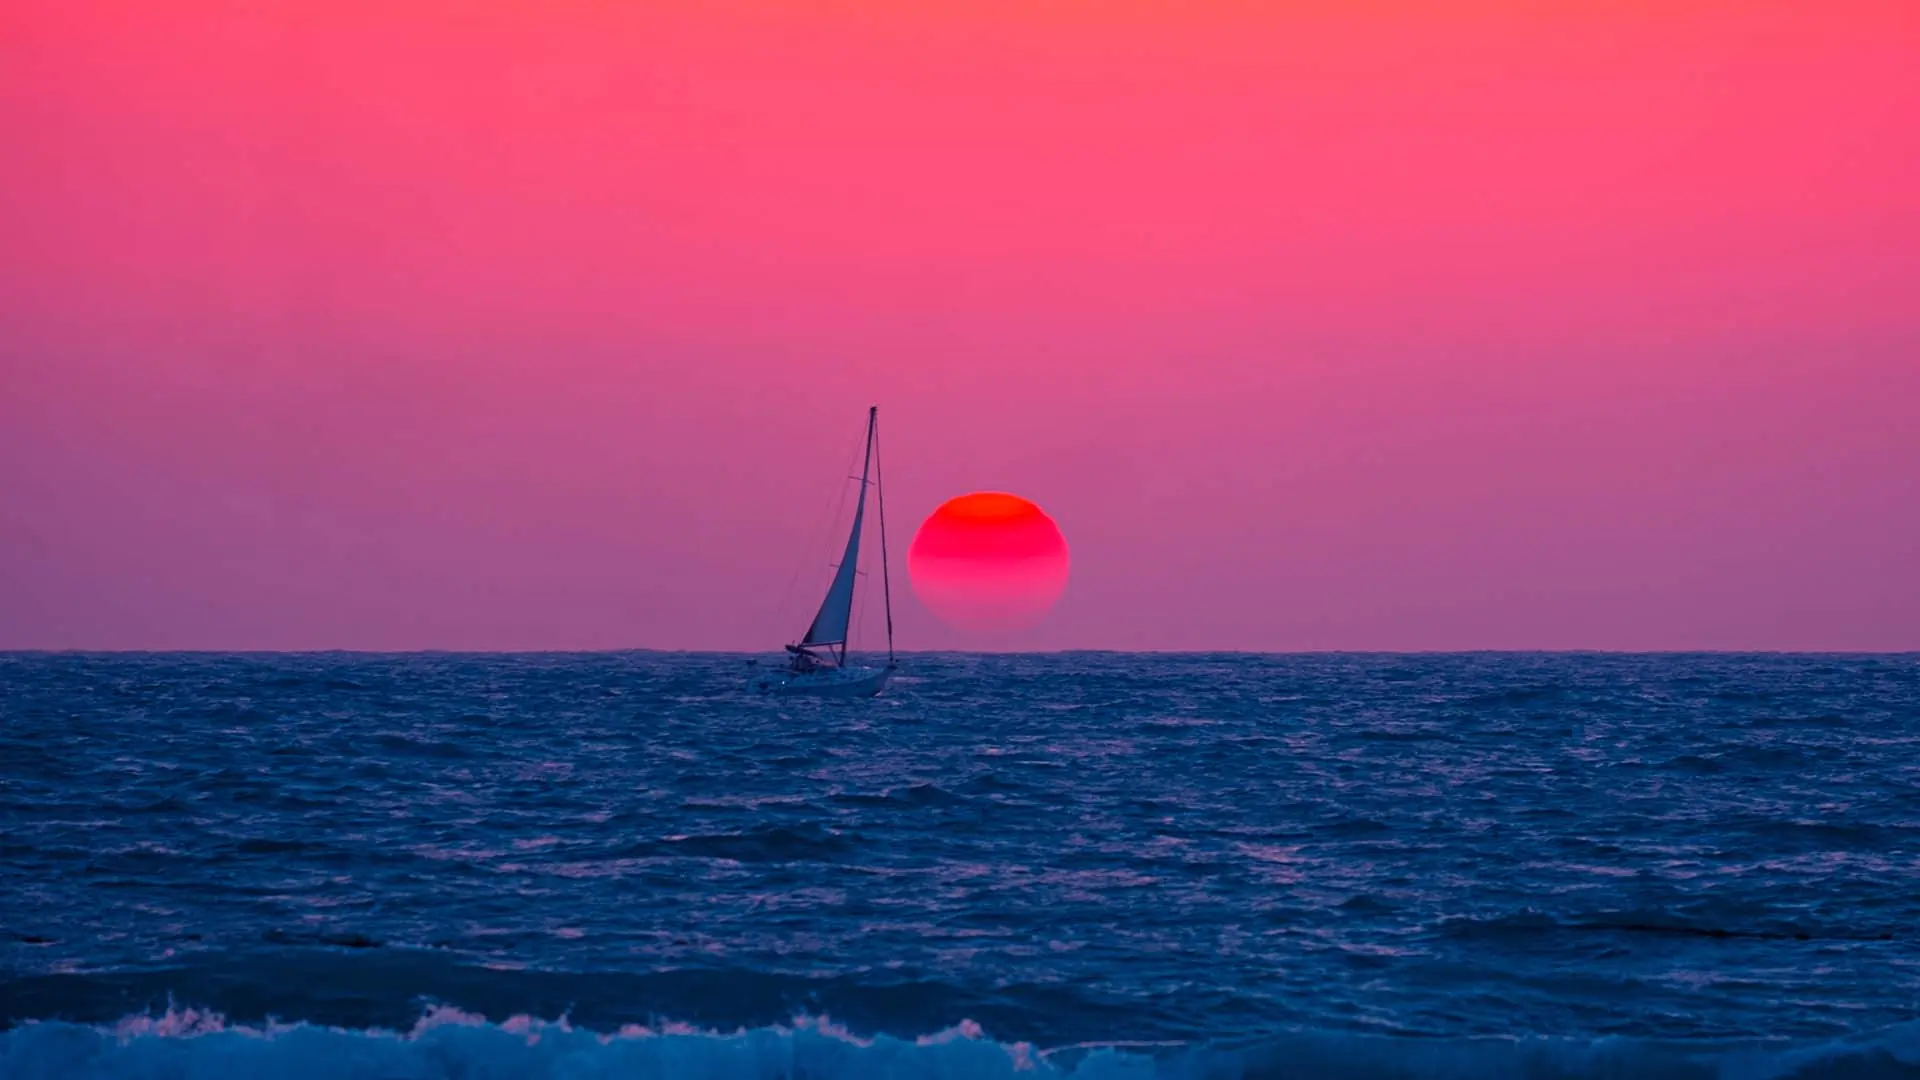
(646, 651)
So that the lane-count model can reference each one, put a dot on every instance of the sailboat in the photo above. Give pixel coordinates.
(818, 663)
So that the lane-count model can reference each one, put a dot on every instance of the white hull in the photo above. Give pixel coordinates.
(829, 682)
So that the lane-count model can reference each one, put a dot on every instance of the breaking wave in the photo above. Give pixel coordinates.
(449, 1043)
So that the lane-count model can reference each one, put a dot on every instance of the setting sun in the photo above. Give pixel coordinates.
(988, 561)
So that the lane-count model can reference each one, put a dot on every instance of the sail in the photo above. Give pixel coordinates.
(830, 625)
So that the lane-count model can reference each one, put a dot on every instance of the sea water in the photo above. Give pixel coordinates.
(1100, 865)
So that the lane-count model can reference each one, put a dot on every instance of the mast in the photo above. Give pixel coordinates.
(880, 493)
(873, 412)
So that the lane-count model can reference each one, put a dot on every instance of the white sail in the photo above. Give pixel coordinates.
(830, 625)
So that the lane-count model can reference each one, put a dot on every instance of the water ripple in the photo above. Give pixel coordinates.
(1677, 847)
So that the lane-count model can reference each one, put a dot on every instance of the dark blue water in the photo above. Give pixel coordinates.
(626, 865)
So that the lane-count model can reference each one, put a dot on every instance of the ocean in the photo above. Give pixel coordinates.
(1099, 865)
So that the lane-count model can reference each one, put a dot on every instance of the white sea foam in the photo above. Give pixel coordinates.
(448, 1043)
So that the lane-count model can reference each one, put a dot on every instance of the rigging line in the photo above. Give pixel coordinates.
(835, 551)
(880, 496)
(857, 603)
(821, 535)
(782, 606)
(859, 620)
(811, 540)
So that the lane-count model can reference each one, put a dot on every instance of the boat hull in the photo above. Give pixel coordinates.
(833, 682)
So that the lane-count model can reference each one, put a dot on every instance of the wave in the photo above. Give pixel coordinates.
(778, 843)
(448, 1043)
(1655, 921)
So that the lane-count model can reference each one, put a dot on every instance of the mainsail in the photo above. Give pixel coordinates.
(830, 624)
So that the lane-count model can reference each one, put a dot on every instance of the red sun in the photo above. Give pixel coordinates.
(988, 561)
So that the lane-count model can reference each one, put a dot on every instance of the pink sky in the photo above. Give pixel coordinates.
(1314, 325)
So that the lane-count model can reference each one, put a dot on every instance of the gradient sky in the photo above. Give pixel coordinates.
(491, 324)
